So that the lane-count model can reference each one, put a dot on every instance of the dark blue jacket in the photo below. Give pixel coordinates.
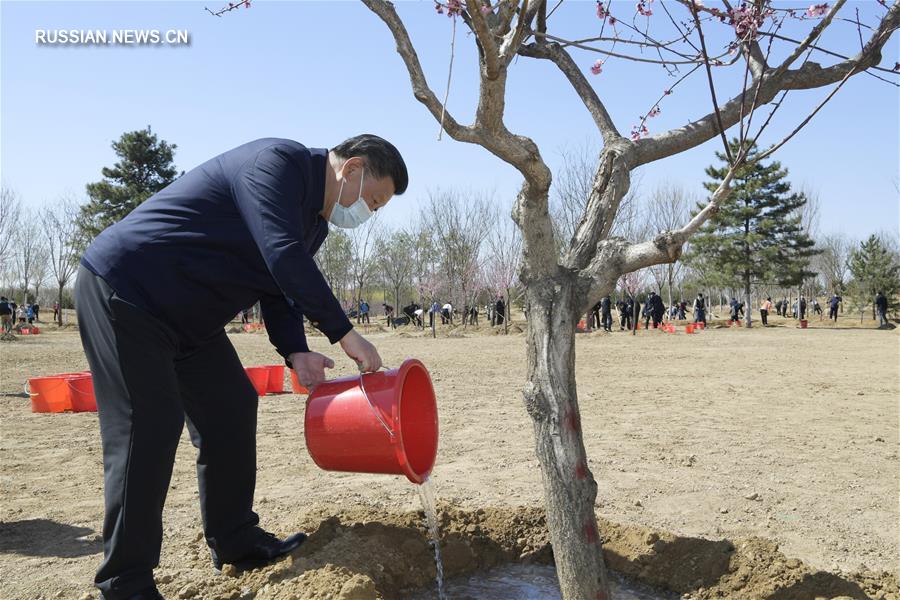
(240, 228)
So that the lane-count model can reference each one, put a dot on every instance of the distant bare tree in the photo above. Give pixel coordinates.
(364, 241)
(10, 215)
(333, 259)
(667, 207)
(395, 258)
(28, 252)
(460, 222)
(832, 263)
(62, 238)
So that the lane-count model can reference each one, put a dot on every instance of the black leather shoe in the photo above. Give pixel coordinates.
(265, 549)
(148, 594)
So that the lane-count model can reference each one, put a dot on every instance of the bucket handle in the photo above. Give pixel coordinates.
(375, 411)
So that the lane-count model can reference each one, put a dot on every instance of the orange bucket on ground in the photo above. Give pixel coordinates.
(49, 394)
(259, 377)
(275, 384)
(295, 384)
(689, 328)
(81, 391)
(383, 422)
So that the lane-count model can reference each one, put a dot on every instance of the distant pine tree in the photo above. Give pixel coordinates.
(144, 168)
(756, 235)
(874, 269)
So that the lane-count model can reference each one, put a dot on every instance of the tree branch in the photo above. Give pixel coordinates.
(421, 90)
(664, 248)
(813, 35)
(556, 54)
(810, 75)
(485, 38)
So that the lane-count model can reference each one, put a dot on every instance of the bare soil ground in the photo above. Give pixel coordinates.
(755, 463)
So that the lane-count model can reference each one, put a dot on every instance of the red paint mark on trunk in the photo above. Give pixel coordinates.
(581, 470)
(573, 420)
(590, 532)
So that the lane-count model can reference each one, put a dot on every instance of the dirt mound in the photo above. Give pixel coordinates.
(365, 554)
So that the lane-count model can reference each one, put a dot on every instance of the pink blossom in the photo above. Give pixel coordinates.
(438, 8)
(597, 68)
(642, 8)
(454, 7)
(653, 112)
(746, 20)
(817, 10)
(601, 10)
(612, 20)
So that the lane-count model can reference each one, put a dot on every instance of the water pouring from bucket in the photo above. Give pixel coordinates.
(383, 422)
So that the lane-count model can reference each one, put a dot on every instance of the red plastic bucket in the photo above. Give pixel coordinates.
(81, 390)
(275, 384)
(803, 323)
(259, 377)
(49, 394)
(382, 422)
(689, 328)
(295, 384)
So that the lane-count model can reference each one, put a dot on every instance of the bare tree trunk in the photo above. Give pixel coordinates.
(59, 301)
(749, 311)
(551, 401)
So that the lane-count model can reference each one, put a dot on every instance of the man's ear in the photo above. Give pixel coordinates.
(351, 165)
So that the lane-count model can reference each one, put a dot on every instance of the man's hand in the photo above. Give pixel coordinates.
(310, 367)
(363, 352)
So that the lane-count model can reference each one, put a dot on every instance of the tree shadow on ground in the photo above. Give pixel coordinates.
(42, 537)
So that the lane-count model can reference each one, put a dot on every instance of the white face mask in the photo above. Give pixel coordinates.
(349, 217)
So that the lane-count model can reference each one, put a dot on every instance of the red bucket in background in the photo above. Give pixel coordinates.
(295, 384)
(275, 383)
(259, 377)
(382, 422)
(803, 323)
(689, 328)
(81, 391)
(49, 394)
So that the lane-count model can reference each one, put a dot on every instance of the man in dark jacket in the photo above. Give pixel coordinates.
(700, 309)
(655, 309)
(881, 307)
(606, 313)
(833, 306)
(153, 295)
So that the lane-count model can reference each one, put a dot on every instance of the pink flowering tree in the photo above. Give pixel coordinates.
(768, 52)
(560, 287)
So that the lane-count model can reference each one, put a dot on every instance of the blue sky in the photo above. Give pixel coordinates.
(319, 72)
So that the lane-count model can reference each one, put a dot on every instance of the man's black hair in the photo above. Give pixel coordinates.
(382, 158)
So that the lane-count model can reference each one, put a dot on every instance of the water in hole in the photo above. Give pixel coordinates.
(426, 493)
(530, 582)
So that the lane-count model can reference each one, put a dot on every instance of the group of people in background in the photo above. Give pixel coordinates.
(12, 314)
(415, 314)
